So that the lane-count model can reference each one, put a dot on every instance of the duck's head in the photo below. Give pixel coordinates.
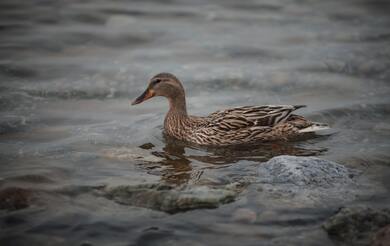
(162, 84)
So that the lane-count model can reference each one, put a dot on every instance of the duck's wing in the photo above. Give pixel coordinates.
(251, 116)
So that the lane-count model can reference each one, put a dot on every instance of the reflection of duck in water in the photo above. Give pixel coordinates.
(215, 156)
(182, 159)
(240, 125)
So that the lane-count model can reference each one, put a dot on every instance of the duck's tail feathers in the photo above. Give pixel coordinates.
(299, 106)
(316, 126)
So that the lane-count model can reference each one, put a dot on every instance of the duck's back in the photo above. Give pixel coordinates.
(247, 116)
(248, 124)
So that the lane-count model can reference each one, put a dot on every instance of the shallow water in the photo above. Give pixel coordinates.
(69, 68)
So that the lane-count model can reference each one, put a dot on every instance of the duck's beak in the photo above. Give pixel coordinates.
(148, 93)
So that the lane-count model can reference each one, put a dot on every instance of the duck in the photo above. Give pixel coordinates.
(233, 126)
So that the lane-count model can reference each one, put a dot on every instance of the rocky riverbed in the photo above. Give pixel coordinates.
(296, 187)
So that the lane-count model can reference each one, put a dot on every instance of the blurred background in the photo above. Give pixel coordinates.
(69, 68)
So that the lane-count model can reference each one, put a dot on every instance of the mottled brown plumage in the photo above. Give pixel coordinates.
(240, 125)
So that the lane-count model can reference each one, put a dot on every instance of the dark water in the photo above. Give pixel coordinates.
(69, 68)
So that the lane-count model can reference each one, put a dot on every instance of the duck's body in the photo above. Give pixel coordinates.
(240, 125)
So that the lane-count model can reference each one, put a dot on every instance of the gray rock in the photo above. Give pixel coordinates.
(130, 154)
(244, 215)
(357, 225)
(14, 198)
(171, 199)
(382, 237)
(304, 171)
(306, 182)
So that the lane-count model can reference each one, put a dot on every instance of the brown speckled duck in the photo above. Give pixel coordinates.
(240, 125)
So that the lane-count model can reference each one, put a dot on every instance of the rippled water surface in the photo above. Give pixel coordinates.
(69, 68)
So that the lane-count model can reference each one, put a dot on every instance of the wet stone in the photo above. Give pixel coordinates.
(304, 171)
(86, 244)
(382, 237)
(244, 215)
(171, 199)
(14, 198)
(147, 146)
(306, 181)
(358, 225)
(130, 154)
(32, 178)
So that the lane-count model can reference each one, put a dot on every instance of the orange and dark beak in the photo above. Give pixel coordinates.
(148, 93)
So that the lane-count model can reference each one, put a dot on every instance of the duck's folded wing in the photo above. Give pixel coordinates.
(251, 116)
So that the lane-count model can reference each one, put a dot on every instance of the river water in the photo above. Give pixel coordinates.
(68, 70)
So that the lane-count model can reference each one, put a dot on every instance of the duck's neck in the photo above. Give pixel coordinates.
(177, 116)
(177, 106)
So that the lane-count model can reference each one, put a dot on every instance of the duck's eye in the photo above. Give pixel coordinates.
(156, 81)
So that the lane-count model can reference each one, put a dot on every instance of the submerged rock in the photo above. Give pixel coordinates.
(304, 171)
(14, 198)
(382, 237)
(306, 181)
(171, 199)
(244, 215)
(358, 225)
(131, 154)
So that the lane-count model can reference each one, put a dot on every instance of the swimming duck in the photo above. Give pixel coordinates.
(239, 125)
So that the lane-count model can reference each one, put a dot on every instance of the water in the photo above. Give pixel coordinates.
(68, 70)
